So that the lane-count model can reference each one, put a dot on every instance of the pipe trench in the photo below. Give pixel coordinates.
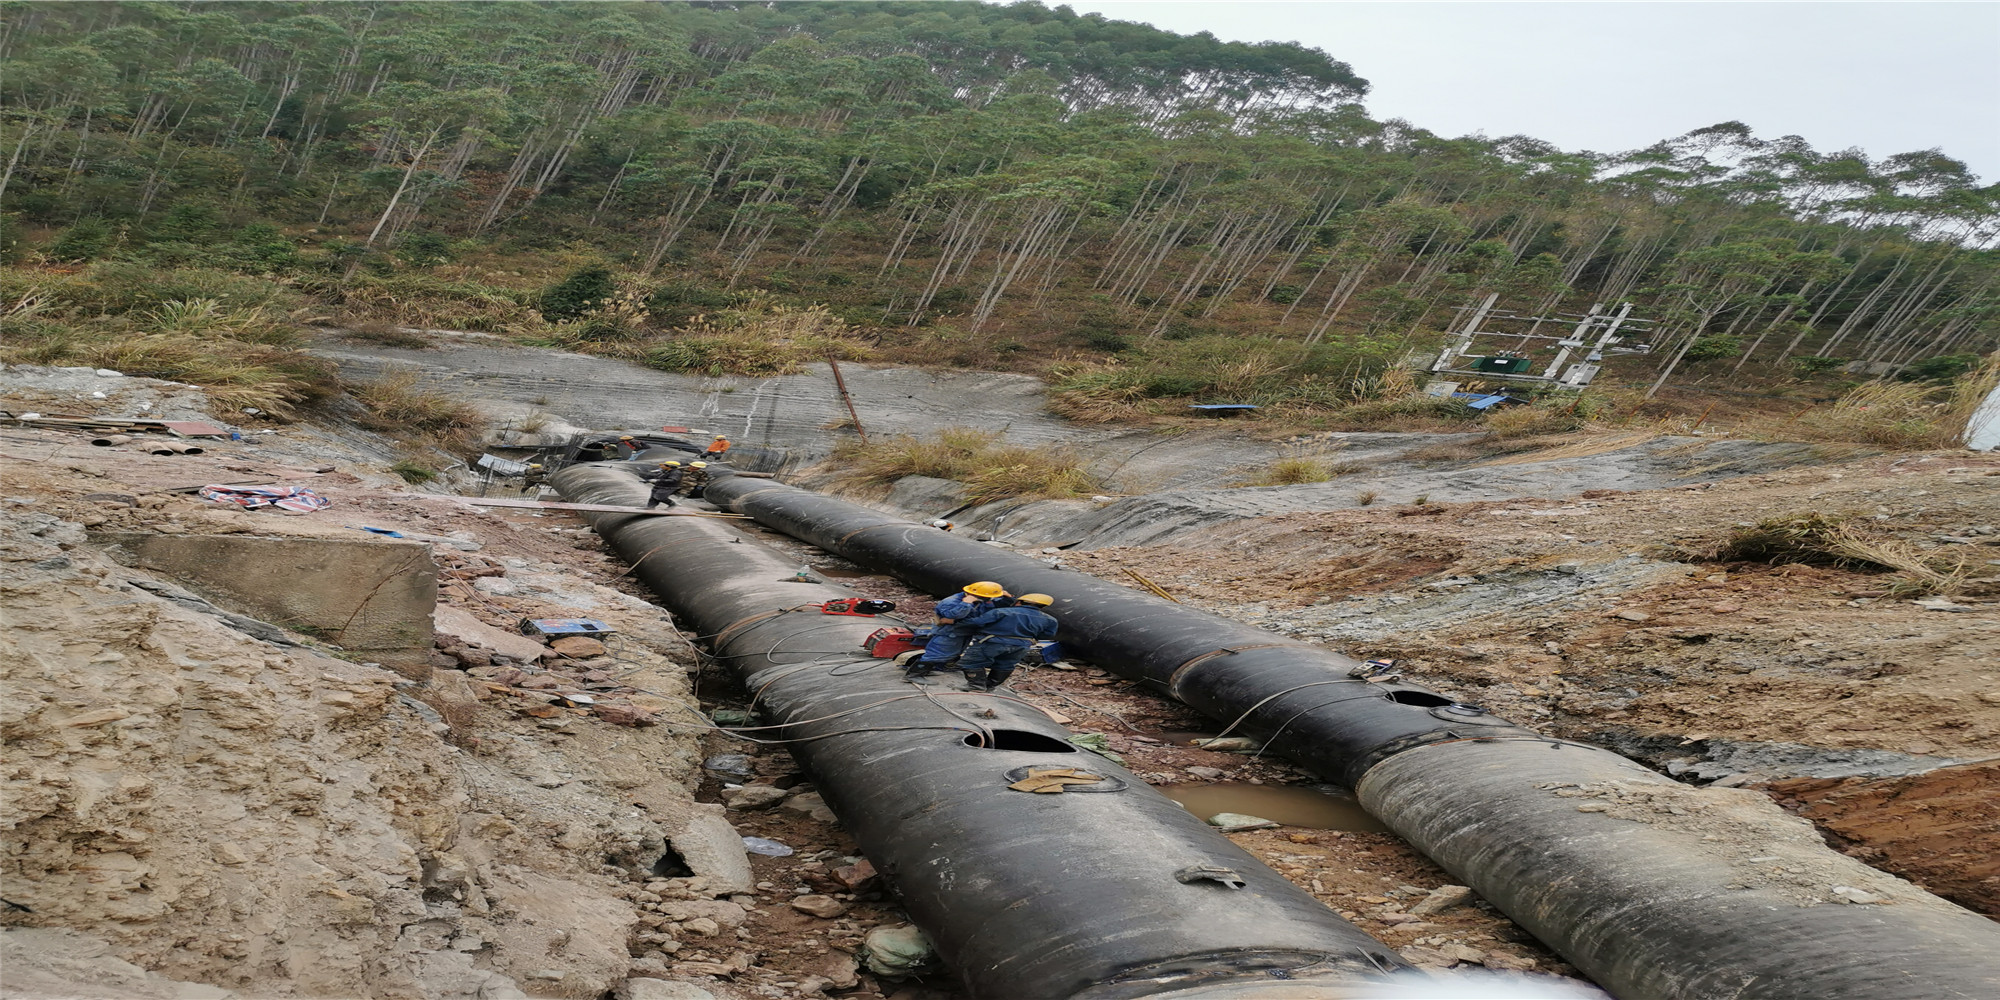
(1107, 891)
(1653, 888)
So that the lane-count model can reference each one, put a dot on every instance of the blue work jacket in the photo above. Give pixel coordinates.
(1021, 623)
(959, 607)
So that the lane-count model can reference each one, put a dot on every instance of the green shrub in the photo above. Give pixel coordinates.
(13, 249)
(1106, 340)
(571, 297)
(413, 472)
(1714, 348)
(1285, 295)
(86, 239)
(677, 305)
(424, 250)
(1809, 366)
(260, 247)
(1943, 368)
(186, 222)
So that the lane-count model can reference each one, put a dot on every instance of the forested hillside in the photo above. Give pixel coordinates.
(999, 186)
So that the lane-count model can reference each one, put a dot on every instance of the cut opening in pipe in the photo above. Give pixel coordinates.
(1421, 699)
(1019, 740)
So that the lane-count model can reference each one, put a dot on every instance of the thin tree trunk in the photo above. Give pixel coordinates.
(403, 186)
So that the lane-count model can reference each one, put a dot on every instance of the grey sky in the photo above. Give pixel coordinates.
(1608, 76)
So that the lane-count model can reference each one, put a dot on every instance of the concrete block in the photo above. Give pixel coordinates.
(372, 598)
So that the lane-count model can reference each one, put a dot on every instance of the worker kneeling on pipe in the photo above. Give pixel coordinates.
(1005, 635)
(949, 636)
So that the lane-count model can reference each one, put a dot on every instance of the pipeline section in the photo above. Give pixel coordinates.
(1108, 890)
(1653, 888)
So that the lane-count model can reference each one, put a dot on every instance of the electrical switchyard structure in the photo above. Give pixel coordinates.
(1506, 354)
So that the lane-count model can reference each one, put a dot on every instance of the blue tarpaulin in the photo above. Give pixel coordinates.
(1481, 401)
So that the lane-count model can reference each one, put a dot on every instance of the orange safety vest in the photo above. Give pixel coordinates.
(718, 446)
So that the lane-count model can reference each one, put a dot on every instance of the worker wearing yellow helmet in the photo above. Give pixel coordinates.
(949, 635)
(1005, 634)
(666, 483)
(697, 478)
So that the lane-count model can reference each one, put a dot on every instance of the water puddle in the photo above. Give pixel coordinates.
(1292, 805)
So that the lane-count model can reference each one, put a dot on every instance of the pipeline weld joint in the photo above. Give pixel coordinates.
(1174, 680)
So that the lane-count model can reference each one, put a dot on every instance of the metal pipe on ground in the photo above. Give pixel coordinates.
(1653, 888)
(1108, 890)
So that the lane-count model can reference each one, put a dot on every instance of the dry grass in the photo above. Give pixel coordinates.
(1553, 416)
(1411, 412)
(431, 301)
(990, 470)
(758, 341)
(1294, 472)
(1300, 469)
(1093, 398)
(1834, 541)
(402, 402)
(1903, 415)
(233, 344)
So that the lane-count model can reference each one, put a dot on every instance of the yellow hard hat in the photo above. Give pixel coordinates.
(985, 588)
(624, 437)
(534, 465)
(1042, 599)
(697, 465)
(665, 464)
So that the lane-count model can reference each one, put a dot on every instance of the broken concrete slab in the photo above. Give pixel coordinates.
(461, 625)
(701, 834)
(371, 598)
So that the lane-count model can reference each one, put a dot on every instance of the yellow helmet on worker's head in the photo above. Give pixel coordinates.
(624, 437)
(985, 588)
(697, 465)
(534, 465)
(666, 464)
(1043, 600)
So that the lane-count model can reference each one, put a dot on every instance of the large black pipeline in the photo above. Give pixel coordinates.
(1651, 887)
(1109, 890)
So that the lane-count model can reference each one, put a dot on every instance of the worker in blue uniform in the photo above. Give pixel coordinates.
(1005, 635)
(949, 636)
